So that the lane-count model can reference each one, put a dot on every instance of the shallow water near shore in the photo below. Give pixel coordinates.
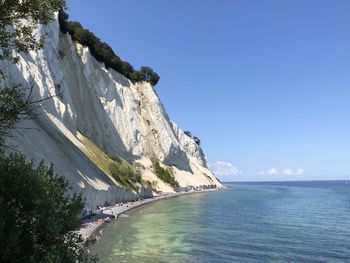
(251, 222)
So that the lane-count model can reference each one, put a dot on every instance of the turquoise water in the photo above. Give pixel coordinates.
(251, 222)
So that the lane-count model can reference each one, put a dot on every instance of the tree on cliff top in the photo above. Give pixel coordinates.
(102, 52)
(150, 75)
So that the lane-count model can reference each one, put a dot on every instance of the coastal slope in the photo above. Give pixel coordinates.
(87, 113)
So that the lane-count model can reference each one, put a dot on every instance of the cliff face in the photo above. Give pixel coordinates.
(91, 101)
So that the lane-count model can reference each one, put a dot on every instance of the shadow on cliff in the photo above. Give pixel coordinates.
(178, 158)
(80, 98)
(92, 119)
(85, 170)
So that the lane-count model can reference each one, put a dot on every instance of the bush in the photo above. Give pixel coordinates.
(104, 53)
(195, 138)
(39, 218)
(188, 133)
(164, 175)
(149, 75)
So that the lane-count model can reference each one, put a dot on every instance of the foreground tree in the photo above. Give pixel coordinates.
(14, 108)
(18, 20)
(39, 218)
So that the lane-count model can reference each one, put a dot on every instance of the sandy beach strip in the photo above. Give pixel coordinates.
(92, 227)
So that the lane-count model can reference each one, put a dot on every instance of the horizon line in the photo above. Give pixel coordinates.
(279, 181)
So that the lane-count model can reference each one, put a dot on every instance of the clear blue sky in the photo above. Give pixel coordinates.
(265, 84)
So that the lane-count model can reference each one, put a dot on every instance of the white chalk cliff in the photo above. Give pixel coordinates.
(92, 101)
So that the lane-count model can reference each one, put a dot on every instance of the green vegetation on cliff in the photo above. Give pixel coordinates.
(124, 173)
(164, 174)
(104, 53)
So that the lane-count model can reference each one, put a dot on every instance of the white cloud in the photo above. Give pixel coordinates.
(300, 171)
(272, 171)
(287, 171)
(221, 168)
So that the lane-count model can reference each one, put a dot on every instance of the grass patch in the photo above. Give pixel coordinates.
(124, 173)
(164, 174)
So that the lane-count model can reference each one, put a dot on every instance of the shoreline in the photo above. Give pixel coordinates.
(92, 227)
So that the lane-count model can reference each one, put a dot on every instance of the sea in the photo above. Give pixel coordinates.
(305, 221)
